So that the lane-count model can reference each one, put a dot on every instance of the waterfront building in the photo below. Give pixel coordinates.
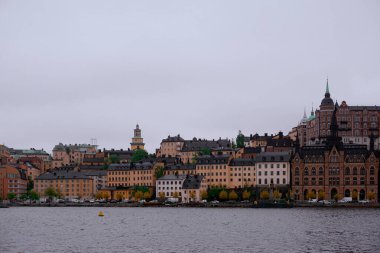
(71, 154)
(242, 173)
(192, 188)
(355, 123)
(248, 152)
(214, 169)
(131, 175)
(335, 168)
(180, 169)
(171, 146)
(170, 186)
(12, 180)
(137, 140)
(273, 169)
(67, 182)
(192, 148)
(5, 156)
(37, 163)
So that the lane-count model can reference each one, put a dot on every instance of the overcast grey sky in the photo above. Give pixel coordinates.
(74, 70)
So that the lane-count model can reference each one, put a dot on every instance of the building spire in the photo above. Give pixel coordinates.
(327, 86)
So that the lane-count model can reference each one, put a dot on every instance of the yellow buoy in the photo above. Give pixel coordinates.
(101, 214)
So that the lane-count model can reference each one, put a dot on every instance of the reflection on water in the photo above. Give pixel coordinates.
(73, 229)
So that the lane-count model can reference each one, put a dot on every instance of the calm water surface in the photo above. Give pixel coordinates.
(79, 229)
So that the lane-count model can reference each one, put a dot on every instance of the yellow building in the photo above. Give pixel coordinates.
(242, 173)
(137, 140)
(67, 183)
(130, 175)
(214, 169)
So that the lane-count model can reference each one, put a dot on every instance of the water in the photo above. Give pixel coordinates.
(79, 229)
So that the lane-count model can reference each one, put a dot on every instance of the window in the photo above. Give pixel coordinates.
(297, 181)
(320, 181)
(362, 171)
(306, 171)
(313, 172)
(347, 171)
(297, 172)
(305, 181)
(362, 181)
(371, 180)
(355, 181)
(320, 171)
(372, 171)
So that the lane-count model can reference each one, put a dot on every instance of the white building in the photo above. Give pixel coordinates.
(273, 169)
(170, 184)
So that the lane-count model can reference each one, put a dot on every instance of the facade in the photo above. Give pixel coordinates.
(355, 123)
(137, 140)
(5, 156)
(67, 182)
(273, 169)
(214, 170)
(71, 154)
(170, 186)
(12, 180)
(171, 146)
(191, 148)
(192, 188)
(130, 175)
(242, 173)
(180, 169)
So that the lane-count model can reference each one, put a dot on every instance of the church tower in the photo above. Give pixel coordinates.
(137, 140)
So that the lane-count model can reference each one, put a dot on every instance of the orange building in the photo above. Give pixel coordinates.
(130, 175)
(69, 184)
(12, 180)
(214, 169)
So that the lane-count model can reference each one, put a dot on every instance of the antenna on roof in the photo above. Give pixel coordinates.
(94, 142)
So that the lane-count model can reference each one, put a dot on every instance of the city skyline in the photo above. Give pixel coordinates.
(74, 72)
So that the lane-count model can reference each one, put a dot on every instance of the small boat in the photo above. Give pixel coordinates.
(101, 214)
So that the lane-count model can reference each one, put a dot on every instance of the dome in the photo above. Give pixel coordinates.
(327, 101)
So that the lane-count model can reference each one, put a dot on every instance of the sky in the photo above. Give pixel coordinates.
(75, 70)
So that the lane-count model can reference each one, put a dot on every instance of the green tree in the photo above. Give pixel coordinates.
(205, 151)
(223, 195)
(233, 195)
(30, 184)
(158, 172)
(11, 196)
(240, 140)
(264, 195)
(114, 159)
(50, 193)
(246, 195)
(139, 154)
(33, 195)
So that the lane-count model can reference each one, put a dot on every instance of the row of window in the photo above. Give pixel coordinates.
(142, 172)
(335, 171)
(272, 166)
(271, 181)
(334, 181)
(126, 178)
(272, 173)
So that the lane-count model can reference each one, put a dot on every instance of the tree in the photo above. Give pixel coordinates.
(106, 195)
(33, 195)
(175, 195)
(355, 195)
(114, 159)
(138, 155)
(240, 140)
(264, 195)
(192, 195)
(276, 194)
(233, 144)
(204, 195)
(338, 197)
(311, 195)
(138, 195)
(205, 151)
(223, 195)
(50, 193)
(161, 195)
(321, 195)
(246, 195)
(158, 172)
(99, 195)
(11, 196)
(371, 195)
(147, 195)
(24, 196)
(233, 195)
(30, 185)
(119, 196)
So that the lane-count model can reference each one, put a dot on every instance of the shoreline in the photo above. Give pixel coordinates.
(197, 205)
